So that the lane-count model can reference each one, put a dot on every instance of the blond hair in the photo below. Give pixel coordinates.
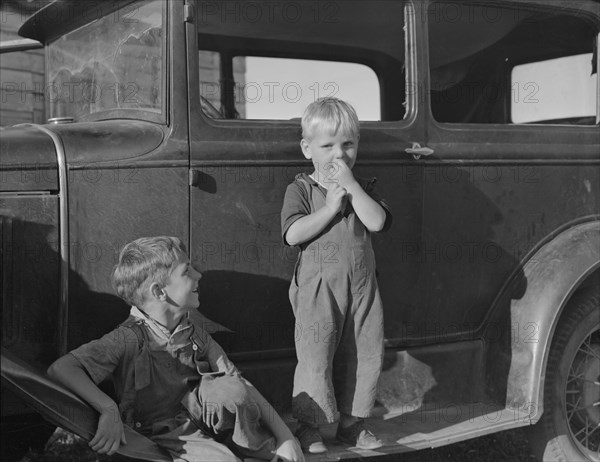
(331, 114)
(143, 262)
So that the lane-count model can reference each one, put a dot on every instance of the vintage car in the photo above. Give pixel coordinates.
(480, 121)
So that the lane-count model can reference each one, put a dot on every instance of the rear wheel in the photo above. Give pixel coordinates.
(569, 429)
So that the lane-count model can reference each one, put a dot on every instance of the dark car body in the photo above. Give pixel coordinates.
(496, 221)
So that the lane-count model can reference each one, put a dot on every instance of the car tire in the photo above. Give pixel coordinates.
(572, 386)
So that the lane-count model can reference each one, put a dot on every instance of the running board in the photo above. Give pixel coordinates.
(422, 429)
(408, 429)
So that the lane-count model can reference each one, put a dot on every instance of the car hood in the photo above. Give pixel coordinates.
(29, 162)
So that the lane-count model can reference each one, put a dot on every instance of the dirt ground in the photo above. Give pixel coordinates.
(507, 446)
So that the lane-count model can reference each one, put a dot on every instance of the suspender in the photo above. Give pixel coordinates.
(136, 326)
(127, 404)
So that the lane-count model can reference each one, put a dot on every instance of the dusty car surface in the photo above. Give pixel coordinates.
(480, 121)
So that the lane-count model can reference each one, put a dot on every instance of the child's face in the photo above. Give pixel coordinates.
(325, 148)
(182, 289)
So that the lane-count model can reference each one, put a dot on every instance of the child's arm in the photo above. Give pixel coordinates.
(309, 226)
(217, 358)
(370, 213)
(288, 447)
(69, 372)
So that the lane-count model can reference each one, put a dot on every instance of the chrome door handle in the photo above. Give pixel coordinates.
(417, 151)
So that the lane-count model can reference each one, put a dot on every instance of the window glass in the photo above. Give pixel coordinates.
(541, 93)
(281, 88)
(271, 66)
(115, 62)
(492, 64)
(210, 82)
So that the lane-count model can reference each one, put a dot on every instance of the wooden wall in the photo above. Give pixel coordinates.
(21, 74)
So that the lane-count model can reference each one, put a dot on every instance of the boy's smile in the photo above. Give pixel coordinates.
(325, 149)
(182, 288)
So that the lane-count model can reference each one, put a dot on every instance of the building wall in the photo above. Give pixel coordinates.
(210, 80)
(21, 72)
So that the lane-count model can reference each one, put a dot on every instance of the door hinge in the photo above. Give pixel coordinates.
(188, 15)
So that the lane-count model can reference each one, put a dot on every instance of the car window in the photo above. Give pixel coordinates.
(492, 64)
(256, 64)
(280, 88)
(113, 63)
(540, 95)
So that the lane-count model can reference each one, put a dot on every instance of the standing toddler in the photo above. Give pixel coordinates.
(330, 215)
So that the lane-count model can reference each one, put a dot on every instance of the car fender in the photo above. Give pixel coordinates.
(537, 295)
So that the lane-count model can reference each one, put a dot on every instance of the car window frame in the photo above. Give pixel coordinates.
(513, 142)
(414, 99)
(161, 117)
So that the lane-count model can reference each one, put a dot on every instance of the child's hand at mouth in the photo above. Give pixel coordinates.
(341, 174)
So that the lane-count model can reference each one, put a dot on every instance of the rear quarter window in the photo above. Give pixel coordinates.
(561, 90)
(505, 65)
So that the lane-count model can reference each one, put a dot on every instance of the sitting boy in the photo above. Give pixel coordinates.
(174, 383)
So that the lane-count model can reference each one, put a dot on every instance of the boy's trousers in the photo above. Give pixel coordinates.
(339, 331)
(226, 407)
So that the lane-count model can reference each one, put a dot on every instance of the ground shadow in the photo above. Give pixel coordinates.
(30, 319)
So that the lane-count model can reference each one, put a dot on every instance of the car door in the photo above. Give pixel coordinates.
(512, 119)
(252, 71)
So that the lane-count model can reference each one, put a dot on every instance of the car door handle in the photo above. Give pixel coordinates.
(417, 151)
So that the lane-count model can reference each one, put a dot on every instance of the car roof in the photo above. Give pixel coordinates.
(61, 16)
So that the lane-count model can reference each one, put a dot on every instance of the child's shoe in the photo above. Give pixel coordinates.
(310, 439)
(357, 435)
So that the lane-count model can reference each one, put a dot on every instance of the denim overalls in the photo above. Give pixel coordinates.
(339, 316)
(160, 394)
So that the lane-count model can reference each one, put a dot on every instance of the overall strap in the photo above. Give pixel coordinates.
(138, 359)
(135, 324)
(141, 355)
(303, 181)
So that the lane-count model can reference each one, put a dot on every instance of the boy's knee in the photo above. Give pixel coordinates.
(228, 390)
(236, 388)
